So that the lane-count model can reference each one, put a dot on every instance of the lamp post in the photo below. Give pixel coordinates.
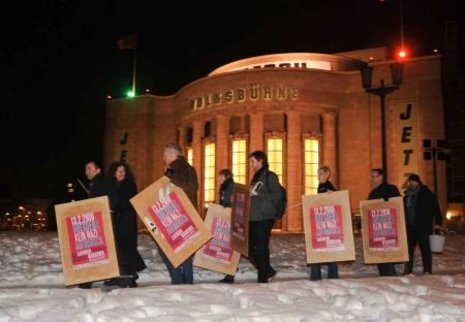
(382, 91)
(432, 152)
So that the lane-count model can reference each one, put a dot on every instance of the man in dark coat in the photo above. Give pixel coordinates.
(324, 185)
(422, 211)
(183, 175)
(264, 191)
(383, 190)
(98, 186)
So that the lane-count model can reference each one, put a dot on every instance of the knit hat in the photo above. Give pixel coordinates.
(414, 177)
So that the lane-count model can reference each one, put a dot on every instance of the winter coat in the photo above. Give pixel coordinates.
(427, 210)
(262, 206)
(183, 175)
(384, 191)
(126, 226)
(226, 192)
(325, 187)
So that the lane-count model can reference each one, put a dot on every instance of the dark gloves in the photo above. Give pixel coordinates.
(169, 172)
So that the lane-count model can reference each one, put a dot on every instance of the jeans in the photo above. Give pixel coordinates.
(315, 273)
(183, 274)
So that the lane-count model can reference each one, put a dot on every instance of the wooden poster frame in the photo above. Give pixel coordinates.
(170, 199)
(240, 219)
(340, 200)
(85, 227)
(400, 254)
(217, 213)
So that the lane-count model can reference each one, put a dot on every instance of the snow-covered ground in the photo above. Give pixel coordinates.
(32, 288)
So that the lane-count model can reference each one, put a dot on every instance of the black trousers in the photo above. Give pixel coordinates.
(259, 250)
(387, 269)
(415, 237)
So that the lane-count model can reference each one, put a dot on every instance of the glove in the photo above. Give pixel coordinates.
(438, 230)
(169, 172)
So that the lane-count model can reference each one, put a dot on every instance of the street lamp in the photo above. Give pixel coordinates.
(438, 151)
(382, 91)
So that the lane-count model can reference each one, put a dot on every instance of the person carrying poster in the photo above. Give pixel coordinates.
(122, 180)
(225, 178)
(97, 187)
(264, 190)
(183, 175)
(421, 210)
(324, 185)
(383, 190)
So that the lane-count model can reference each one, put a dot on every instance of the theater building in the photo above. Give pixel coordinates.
(303, 109)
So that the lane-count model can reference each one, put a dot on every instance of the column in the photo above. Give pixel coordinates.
(329, 144)
(197, 129)
(222, 142)
(256, 132)
(293, 219)
(182, 139)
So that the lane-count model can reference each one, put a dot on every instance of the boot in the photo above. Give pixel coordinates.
(127, 281)
(111, 282)
(228, 279)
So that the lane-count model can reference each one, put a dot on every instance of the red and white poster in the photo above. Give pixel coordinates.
(217, 254)
(240, 219)
(87, 244)
(171, 219)
(87, 239)
(239, 216)
(219, 247)
(384, 234)
(382, 227)
(327, 228)
(174, 222)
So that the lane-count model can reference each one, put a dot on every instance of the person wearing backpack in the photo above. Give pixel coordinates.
(324, 185)
(265, 191)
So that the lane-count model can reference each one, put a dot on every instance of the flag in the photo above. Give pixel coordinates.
(128, 42)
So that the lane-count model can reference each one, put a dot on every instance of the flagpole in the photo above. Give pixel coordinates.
(134, 68)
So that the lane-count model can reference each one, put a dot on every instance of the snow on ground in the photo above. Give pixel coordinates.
(32, 288)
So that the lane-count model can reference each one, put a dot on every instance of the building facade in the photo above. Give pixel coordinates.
(303, 109)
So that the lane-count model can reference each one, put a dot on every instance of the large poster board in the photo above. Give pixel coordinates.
(240, 219)
(328, 227)
(171, 219)
(383, 231)
(218, 255)
(87, 244)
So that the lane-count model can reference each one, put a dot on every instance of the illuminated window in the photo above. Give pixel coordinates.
(311, 162)
(190, 156)
(275, 156)
(209, 173)
(239, 160)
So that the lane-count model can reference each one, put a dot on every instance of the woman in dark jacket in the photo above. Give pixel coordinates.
(225, 178)
(125, 225)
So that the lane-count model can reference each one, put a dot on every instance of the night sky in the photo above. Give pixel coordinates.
(59, 60)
